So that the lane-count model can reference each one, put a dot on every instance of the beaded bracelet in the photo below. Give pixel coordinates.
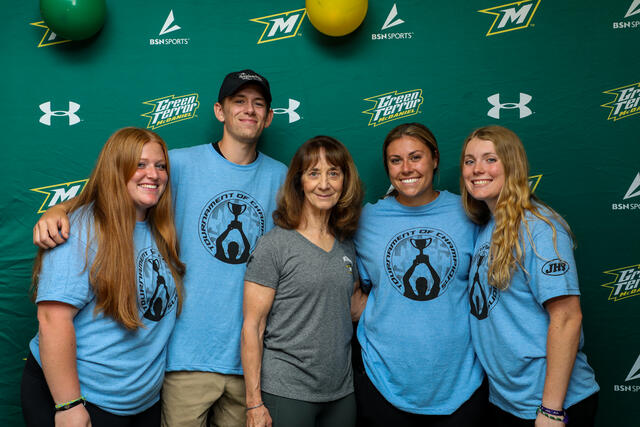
(553, 414)
(70, 404)
(254, 407)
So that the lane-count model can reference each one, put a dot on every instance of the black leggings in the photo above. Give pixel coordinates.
(375, 411)
(582, 414)
(37, 404)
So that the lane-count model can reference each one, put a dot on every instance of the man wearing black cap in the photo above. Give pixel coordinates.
(224, 194)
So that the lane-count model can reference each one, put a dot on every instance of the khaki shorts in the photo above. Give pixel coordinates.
(188, 396)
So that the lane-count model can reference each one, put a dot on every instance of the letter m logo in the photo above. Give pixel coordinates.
(511, 16)
(280, 25)
(59, 193)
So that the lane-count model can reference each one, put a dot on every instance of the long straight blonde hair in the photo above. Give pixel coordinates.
(507, 241)
(113, 273)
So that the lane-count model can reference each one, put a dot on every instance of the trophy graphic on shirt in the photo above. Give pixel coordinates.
(228, 248)
(160, 299)
(421, 280)
(477, 295)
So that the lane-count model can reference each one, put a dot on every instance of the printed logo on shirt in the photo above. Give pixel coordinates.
(629, 22)
(555, 267)
(171, 109)
(230, 225)
(511, 16)
(626, 103)
(634, 374)
(169, 26)
(393, 106)
(482, 296)
(348, 263)
(59, 193)
(421, 262)
(280, 25)
(156, 292)
(49, 38)
(626, 283)
(392, 21)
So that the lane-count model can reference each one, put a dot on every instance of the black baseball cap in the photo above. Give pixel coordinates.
(234, 81)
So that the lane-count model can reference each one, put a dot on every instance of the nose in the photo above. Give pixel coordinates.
(478, 168)
(250, 108)
(152, 172)
(406, 166)
(324, 181)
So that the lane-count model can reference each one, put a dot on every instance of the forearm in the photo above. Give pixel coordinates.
(58, 357)
(563, 337)
(251, 352)
(358, 302)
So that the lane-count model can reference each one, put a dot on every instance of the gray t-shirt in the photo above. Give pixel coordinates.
(307, 350)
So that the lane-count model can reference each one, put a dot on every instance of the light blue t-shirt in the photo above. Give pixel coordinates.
(509, 328)
(221, 210)
(119, 370)
(414, 332)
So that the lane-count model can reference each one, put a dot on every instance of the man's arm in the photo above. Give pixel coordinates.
(52, 228)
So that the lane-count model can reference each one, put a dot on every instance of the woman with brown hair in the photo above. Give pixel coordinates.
(108, 299)
(523, 289)
(301, 285)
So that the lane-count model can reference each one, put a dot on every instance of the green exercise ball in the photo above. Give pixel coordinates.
(73, 19)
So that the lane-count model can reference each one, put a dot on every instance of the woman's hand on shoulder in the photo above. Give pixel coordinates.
(259, 417)
(74, 417)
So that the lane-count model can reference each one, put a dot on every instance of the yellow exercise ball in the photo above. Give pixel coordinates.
(336, 17)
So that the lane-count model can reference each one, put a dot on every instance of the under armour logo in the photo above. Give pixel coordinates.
(71, 113)
(291, 111)
(521, 105)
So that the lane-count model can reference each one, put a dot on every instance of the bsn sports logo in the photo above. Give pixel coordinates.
(59, 193)
(634, 9)
(280, 25)
(171, 109)
(392, 21)
(49, 38)
(520, 105)
(511, 16)
(627, 102)
(420, 263)
(633, 191)
(45, 119)
(169, 27)
(626, 283)
(634, 374)
(393, 105)
(291, 110)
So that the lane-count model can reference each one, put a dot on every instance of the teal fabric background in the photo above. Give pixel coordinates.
(565, 76)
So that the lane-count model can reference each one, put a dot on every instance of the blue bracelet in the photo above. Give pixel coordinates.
(553, 414)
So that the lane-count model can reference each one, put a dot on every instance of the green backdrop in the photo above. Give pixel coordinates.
(564, 75)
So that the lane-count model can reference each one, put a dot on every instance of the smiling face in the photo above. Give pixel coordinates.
(411, 167)
(149, 179)
(322, 185)
(483, 172)
(244, 114)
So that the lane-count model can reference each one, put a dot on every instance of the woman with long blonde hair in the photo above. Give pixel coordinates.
(108, 298)
(523, 291)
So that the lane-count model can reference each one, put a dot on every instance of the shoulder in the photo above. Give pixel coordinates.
(273, 164)
(187, 153)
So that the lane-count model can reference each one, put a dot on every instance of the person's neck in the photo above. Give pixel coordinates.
(238, 152)
(315, 225)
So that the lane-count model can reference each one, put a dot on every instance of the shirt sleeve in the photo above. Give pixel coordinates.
(63, 276)
(263, 266)
(552, 273)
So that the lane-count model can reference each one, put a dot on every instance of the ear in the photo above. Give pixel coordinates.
(218, 111)
(267, 122)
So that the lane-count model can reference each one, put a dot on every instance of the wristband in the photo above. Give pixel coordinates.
(71, 404)
(254, 407)
(553, 414)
